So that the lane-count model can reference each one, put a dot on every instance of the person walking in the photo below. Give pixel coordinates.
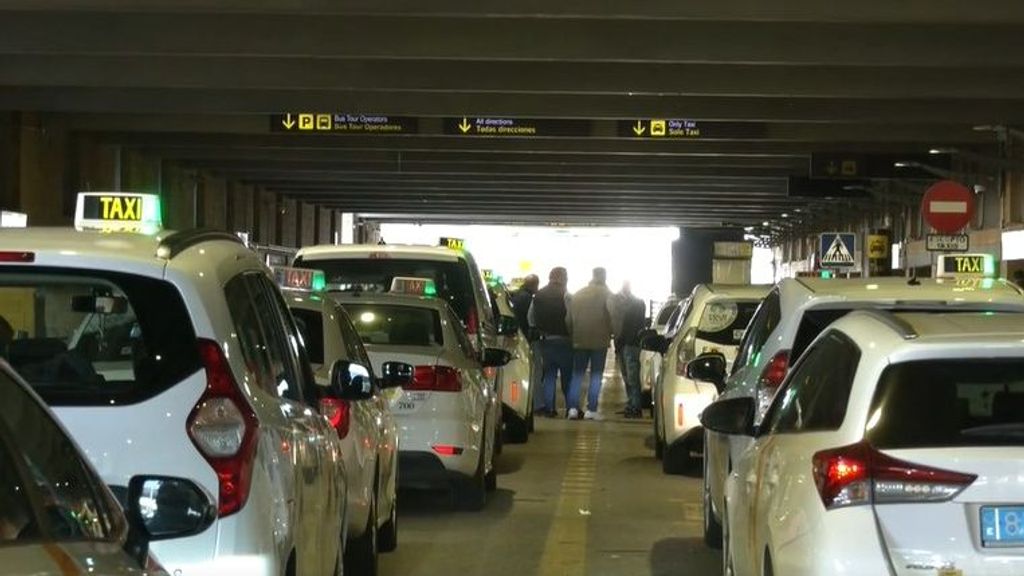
(633, 319)
(590, 321)
(521, 300)
(549, 317)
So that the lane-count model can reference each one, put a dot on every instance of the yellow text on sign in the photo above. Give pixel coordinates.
(970, 265)
(121, 208)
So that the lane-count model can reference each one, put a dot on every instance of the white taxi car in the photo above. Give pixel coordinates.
(358, 410)
(895, 446)
(185, 363)
(650, 361)
(517, 393)
(712, 320)
(792, 315)
(57, 515)
(446, 407)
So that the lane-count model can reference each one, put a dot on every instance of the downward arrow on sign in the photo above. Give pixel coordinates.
(465, 126)
(639, 128)
(288, 123)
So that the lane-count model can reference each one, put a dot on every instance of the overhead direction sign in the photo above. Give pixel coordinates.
(837, 250)
(832, 165)
(342, 123)
(948, 242)
(948, 206)
(686, 129)
(515, 127)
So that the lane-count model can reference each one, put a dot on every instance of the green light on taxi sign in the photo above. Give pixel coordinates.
(430, 289)
(828, 274)
(319, 281)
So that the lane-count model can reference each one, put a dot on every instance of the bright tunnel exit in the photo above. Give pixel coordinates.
(643, 256)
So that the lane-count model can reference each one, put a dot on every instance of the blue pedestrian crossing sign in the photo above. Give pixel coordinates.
(837, 250)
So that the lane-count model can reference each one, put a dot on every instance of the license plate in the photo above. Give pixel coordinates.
(1002, 525)
(409, 401)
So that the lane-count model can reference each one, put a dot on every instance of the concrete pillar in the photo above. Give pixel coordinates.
(693, 255)
(267, 217)
(213, 193)
(179, 190)
(288, 222)
(140, 172)
(307, 225)
(42, 190)
(8, 161)
(324, 230)
(99, 166)
(241, 207)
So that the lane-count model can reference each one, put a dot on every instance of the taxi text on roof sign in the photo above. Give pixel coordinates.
(118, 212)
(413, 286)
(966, 266)
(300, 278)
(453, 243)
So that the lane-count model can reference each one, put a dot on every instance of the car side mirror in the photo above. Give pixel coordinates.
(653, 342)
(165, 507)
(508, 326)
(396, 374)
(351, 381)
(733, 416)
(709, 367)
(495, 357)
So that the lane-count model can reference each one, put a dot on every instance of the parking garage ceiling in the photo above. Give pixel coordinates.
(658, 112)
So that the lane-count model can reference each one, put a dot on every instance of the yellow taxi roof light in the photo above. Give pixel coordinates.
(118, 212)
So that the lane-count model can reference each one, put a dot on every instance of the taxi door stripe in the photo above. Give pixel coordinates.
(65, 563)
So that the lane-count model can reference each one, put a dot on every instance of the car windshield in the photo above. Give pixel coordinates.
(95, 338)
(949, 402)
(46, 490)
(451, 278)
(396, 325)
(723, 321)
(666, 313)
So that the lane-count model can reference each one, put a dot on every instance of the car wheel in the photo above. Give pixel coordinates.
(517, 431)
(471, 493)
(361, 553)
(712, 527)
(498, 442)
(659, 446)
(387, 538)
(529, 420)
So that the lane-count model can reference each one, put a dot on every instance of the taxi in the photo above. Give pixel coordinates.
(893, 447)
(57, 515)
(445, 407)
(359, 412)
(792, 315)
(173, 354)
(713, 320)
(650, 361)
(517, 389)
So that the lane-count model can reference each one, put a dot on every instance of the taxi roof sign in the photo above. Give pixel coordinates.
(966, 266)
(453, 243)
(413, 286)
(118, 212)
(300, 278)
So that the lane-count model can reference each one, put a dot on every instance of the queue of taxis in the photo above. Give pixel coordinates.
(184, 340)
(356, 403)
(514, 377)
(447, 406)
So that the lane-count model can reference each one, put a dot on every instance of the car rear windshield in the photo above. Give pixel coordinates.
(311, 327)
(95, 338)
(396, 325)
(723, 321)
(451, 278)
(954, 402)
(666, 313)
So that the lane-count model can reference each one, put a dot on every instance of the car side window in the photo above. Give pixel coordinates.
(814, 398)
(287, 356)
(249, 330)
(767, 317)
(354, 348)
(461, 337)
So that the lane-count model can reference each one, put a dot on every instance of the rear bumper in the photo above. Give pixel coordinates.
(425, 471)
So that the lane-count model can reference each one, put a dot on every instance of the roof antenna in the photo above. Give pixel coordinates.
(913, 279)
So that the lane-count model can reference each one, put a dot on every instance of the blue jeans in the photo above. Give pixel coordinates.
(557, 355)
(630, 356)
(582, 359)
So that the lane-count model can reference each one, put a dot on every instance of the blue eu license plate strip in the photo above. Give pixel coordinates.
(1002, 525)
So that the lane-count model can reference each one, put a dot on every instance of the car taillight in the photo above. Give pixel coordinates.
(223, 427)
(686, 351)
(435, 379)
(859, 474)
(9, 256)
(772, 376)
(472, 321)
(447, 449)
(338, 413)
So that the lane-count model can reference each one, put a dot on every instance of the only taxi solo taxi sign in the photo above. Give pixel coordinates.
(118, 212)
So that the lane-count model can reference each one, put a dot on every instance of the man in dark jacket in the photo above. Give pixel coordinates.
(632, 314)
(521, 301)
(548, 315)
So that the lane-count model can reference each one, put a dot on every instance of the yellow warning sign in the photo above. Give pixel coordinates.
(878, 246)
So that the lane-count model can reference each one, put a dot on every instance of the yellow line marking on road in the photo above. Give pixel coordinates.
(565, 553)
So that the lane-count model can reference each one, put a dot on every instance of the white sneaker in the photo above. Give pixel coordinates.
(573, 414)
(588, 415)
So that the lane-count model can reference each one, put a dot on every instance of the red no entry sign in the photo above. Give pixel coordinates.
(948, 206)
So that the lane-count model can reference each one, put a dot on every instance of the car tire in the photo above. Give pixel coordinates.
(491, 480)
(673, 465)
(529, 420)
(498, 442)
(517, 431)
(712, 526)
(659, 446)
(471, 493)
(361, 553)
(387, 536)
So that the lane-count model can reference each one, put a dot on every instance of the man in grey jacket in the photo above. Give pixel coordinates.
(590, 321)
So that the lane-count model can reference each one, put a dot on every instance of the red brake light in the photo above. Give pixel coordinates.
(775, 371)
(17, 256)
(447, 449)
(338, 412)
(435, 379)
(859, 474)
(223, 427)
